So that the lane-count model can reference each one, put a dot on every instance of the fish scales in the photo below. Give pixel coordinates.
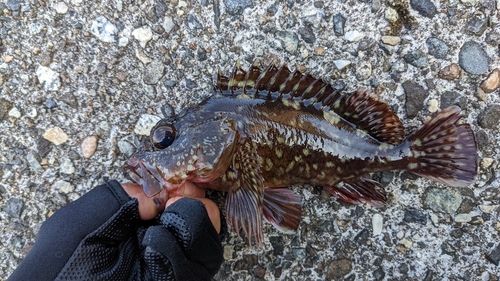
(264, 130)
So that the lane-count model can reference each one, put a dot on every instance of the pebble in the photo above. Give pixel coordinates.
(366, 44)
(14, 112)
(103, 129)
(55, 135)
(472, 58)
(277, 244)
(190, 84)
(228, 252)
(341, 64)
(236, 7)
(486, 163)
(492, 82)
(470, 3)
(413, 215)
(307, 34)
(476, 25)
(353, 36)
(168, 24)
(338, 24)
(416, 58)
(376, 5)
(407, 243)
(67, 166)
(450, 72)
(61, 8)
(8, 58)
(48, 78)
(337, 269)
(391, 15)
(494, 255)
(437, 47)
(364, 70)
(377, 224)
(89, 146)
(489, 118)
(246, 263)
(63, 186)
(424, 7)
(433, 105)
(463, 218)
(125, 148)
(154, 72)
(14, 207)
(145, 123)
(33, 162)
(493, 37)
(104, 30)
(289, 41)
(415, 96)
(50, 103)
(391, 40)
(13, 5)
(31, 113)
(193, 23)
(442, 200)
(143, 35)
(43, 146)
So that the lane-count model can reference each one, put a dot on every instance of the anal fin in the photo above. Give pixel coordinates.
(282, 209)
(360, 190)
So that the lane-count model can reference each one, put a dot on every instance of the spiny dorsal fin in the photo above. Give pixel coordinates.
(362, 108)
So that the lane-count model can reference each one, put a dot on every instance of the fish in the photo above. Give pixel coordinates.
(266, 129)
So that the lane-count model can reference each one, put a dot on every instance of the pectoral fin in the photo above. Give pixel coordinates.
(244, 200)
(360, 190)
(282, 208)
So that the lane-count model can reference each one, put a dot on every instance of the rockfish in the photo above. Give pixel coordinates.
(264, 130)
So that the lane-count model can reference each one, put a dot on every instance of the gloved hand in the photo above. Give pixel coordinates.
(101, 237)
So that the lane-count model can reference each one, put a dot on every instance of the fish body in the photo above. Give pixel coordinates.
(264, 130)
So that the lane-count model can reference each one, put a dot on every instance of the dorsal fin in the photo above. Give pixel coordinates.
(361, 108)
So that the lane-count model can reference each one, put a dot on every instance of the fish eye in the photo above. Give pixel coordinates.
(163, 136)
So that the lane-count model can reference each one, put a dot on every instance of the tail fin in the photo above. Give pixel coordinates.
(444, 150)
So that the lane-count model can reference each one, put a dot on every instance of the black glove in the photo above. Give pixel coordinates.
(100, 237)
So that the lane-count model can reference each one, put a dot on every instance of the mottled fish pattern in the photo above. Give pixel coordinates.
(264, 130)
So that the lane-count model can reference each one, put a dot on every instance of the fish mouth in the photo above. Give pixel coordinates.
(144, 174)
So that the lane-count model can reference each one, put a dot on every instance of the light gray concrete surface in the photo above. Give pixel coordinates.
(94, 68)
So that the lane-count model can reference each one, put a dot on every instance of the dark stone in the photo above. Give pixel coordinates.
(366, 44)
(272, 9)
(160, 9)
(338, 24)
(190, 84)
(490, 117)
(456, 233)
(259, 271)
(5, 107)
(193, 23)
(449, 98)
(379, 274)
(476, 26)
(472, 58)
(307, 34)
(424, 7)
(447, 248)
(437, 48)
(101, 68)
(415, 96)
(319, 4)
(246, 263)
(69, 99)
(481, 138)
(416, 58)
(277, 243)
(413, 215)
(13, 207)
(14, 5)
(236, 7)
(338, 269)
(362, 237)
(429, 275)
(169, 83)
(494, 255)
(43, 146)
(403, 268)
(50, 103)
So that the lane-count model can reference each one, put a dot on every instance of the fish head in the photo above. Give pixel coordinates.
(176, 153)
